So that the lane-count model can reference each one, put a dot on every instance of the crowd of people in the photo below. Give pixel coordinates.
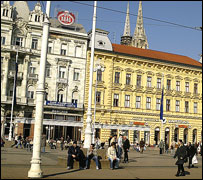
(116, 148)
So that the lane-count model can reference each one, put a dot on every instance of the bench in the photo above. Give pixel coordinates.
(103, 161)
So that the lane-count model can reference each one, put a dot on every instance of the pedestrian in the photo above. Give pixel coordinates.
(181, 153)
(97, 143)
(62, 143)
(92, 154)
(110, 141)
(74, 152)
(120, 145)
(2, 142)
(19, 141)
(142, 144)
(173, 147)
(112, 157)
(161, 147)
(114, 139)
(15, 141)
(126, 147)
(194, 154)
(166, 148)
(43, 144)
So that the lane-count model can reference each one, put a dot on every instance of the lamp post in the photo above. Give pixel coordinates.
(98, 67)
(35, 169)
(88, 130)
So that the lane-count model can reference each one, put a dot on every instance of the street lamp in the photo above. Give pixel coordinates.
(49, 128)
(98, 67)
(88, 130)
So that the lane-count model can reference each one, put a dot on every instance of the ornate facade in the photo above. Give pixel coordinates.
(128, 95)
(21, 30)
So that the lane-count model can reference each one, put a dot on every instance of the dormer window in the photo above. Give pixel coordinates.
(101, 43)
(37, 18)
(5, 12)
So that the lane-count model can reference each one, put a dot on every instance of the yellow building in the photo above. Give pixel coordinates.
(128, 94)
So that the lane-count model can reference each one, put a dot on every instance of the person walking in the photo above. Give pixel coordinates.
(112, 157)
(126, 147)
(62, 143)
(119, 146)
(166, 148)
(142, 144)
(74, 152)
(181, 153)
(43, 142)
(173, 147)
(161, 147)
(19, 141)
(92, 154)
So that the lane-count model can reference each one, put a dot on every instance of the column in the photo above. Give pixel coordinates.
(181, 133)
(152, 136)
(25, 77)
(5, 79)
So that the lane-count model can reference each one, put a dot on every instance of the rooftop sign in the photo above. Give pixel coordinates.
(66, 18)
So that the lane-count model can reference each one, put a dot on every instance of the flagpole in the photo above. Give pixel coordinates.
(13, 99)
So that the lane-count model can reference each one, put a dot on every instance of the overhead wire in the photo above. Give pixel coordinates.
(158, 20)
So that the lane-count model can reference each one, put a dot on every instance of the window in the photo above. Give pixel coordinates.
(127, 100)
(62, 71)
(76, 74)
(115, 100)
(98, 97)
(195, 88)
(3, 40)
(5, 12)
(128, 76)
(50, 47)
(177, 85)
(46, 96)
(186, 106)
(78, 51)
(117, 77)
(139, 80)
(63, 49)
(195, 107)
(148, 103)
(187, 86)
(34, 43)
(99, 75)
(168, 104)
(18, 41)
(30, 94)
(60, 96)
(32, 70)
(138, 102)
(177, 106)
(158, 104)
(168, 86)
(149, 81)
(47, 72)
(158, 83)
(74, 101)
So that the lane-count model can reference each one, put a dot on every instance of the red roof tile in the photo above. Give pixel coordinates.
(155, 54)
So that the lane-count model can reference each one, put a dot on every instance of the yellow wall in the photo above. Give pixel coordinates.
(107, 114)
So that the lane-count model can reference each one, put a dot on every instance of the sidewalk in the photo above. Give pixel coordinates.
(15, 164)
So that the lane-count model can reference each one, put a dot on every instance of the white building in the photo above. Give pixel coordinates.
(65, 71)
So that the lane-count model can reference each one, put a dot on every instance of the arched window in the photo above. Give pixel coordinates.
(30, 92)
(60, 96)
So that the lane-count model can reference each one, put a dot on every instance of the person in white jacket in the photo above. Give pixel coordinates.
(119, 146)
(112, 156)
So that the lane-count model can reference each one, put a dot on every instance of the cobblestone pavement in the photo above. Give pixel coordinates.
(15, 164)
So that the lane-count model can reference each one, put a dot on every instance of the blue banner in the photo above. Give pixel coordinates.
(161, 108)
(61, 104)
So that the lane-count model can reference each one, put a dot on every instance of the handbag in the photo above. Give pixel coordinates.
(194, 159)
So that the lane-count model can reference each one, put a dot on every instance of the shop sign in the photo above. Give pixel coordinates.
(182, 126)
(61, 104)
(139, 123)
(66, 18)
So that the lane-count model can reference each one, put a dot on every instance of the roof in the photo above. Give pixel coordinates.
(147, 53)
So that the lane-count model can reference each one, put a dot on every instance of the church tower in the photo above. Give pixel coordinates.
(126, 38)
(139, 38)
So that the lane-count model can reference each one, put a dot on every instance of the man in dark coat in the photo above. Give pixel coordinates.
(181, 152)
(142, 144)
(126, 147)
(74, 152)
(190, 153)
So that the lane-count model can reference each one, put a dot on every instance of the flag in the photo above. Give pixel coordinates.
(161, 108)
(15, 78)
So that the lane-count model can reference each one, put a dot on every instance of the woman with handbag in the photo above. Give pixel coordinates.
(181, 153)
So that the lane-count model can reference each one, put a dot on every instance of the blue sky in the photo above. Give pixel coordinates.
(161, 36)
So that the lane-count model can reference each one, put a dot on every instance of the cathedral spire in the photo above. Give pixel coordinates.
(139, 38)
(126, 38)
(127, 23)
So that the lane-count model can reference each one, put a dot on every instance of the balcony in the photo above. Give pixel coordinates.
(12, 74)
(20, 49)
(30, 101)
(139, 88)
(62, 80)
(10, 98)
(187, 94)
(149, 89)
(178, 93)
(33, 76)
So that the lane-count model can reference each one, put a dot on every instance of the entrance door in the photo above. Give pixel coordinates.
(70, 132)
(26, 130)
(136, 137)
(176, 134)
(147, 137)
(185, 136)
(166, 140)
(157, 136)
